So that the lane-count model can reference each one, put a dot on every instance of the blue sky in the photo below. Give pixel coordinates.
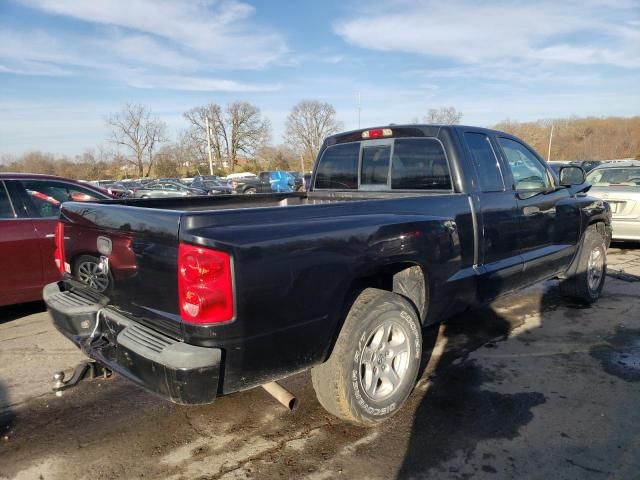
(66, 64)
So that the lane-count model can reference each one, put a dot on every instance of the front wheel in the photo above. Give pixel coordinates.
(375, 361)
(587, 282)
(250, 191)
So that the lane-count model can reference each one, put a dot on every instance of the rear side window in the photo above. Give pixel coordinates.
(375, 165)
(485, 161)
(338, 167)
(6, 210)
(419, 164)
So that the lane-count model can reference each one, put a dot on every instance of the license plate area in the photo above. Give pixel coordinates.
(616, 207)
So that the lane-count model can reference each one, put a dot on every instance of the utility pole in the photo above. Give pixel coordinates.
(359, 109)
(209, 145)
(550, 138)
(301, 163)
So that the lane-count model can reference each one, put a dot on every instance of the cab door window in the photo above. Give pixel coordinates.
(528, 172)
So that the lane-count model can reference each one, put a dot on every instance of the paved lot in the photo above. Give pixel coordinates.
(530, 387)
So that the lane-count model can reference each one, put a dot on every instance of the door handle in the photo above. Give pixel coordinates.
(531, 211)
(50, 235)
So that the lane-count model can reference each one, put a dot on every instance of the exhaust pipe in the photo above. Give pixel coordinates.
(282, 395)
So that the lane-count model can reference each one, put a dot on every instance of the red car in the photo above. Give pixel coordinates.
(29, 209)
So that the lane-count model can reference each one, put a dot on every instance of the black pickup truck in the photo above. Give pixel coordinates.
(402, 227)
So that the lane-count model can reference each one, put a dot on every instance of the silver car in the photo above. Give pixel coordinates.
(618, 183)
(167, 189)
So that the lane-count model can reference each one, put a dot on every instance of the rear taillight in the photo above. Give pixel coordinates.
(205, 285)
(58, 254)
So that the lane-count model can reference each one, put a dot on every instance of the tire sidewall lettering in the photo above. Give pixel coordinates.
(359, 398)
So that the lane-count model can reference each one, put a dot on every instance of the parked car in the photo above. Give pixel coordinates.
(296, 181)
(306, 178)
(619, 185)
(117, 189)
(265, 182)
(162, 189)
(341, 279)
(235, 176)
(213, 187)
(29, 210)
(556, 166)
(202, 178)
(131, 185)
(587, 165)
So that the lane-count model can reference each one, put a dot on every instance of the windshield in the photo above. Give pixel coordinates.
(629, 176)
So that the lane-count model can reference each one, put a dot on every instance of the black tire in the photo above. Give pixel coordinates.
(587, 281)
(144, 196)
(341, 382)
(250, 191)
(83, 267)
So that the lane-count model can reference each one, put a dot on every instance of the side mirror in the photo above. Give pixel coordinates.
(571, 176)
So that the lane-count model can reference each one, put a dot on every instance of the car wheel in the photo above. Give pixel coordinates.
(375, 361)
(144, 196)
(87, 270)
(587, 282)
(250, 191)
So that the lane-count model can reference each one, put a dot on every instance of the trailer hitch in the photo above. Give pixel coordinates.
(87, 370)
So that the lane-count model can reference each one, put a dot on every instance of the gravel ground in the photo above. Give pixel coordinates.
(532, 386)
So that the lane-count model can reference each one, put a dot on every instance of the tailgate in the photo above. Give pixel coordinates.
(142, 263)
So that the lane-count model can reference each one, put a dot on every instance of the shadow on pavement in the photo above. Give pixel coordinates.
(456, 413)
(625, 245)
(13, 312)
(7, 417)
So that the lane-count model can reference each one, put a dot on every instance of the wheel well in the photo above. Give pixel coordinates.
(406, 279)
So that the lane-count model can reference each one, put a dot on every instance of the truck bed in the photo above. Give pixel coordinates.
(230, 202)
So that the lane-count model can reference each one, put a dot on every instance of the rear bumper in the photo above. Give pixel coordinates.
(182, 373)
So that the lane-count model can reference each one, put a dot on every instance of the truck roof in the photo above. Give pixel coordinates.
(413, 130)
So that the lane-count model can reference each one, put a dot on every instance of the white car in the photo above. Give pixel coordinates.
(619, 185)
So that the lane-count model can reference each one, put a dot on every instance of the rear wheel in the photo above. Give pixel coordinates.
(587, 282)
(87, 270)
(375, 361)
(250, 191)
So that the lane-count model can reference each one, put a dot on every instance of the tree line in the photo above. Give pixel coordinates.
(238, 137)
(591, 138)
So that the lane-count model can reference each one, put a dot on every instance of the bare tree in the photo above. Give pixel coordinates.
(308, 123)
(245, 131)
(444, 115)
(135, 129)
(195, 138)
(236, 133)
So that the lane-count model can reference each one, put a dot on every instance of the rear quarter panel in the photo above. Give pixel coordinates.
(295, 267)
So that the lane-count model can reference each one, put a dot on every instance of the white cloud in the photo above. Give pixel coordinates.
(475, 32)
(221, 31)
(146, 44)
(189, 83)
